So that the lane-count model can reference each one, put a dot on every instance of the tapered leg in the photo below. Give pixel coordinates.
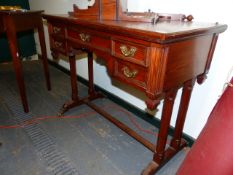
(44, 54)
(185, 98)
(12, 39)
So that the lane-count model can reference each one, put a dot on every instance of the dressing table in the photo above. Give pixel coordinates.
(152, 52)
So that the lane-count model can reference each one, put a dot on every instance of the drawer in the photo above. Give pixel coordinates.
(57, 29)
(130, 73)
(90, 38)
(130, 51)
(58, 45)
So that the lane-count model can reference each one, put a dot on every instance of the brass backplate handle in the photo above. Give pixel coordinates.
(128, 52)
(57, 44)
(56, 29)
(84, 37)
(128, 73)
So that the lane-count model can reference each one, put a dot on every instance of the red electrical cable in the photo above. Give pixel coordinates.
(36, 120)
(133, 121)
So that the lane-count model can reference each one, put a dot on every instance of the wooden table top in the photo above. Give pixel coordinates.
(162, 31)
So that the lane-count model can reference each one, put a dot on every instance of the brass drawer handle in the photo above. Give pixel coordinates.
(84, 37)
(57, 44)
(128, 52)
(128, 73)
(56, 29)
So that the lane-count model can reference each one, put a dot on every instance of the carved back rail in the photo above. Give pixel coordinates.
(116, 10)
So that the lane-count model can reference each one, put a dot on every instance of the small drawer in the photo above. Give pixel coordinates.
(58, 30)
(131, 73)
(130, 51)
(92, 39)
(58, 45)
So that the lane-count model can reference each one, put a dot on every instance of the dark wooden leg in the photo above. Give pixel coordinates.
(76, 101)
(91, 90)
(74, 88)
(165, 123)
(73, 79)
(44, 55)
(163, 134)
(90, 73)
(185, 98)
(12, 40)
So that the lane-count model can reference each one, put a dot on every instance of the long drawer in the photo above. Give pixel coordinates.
(89, 38)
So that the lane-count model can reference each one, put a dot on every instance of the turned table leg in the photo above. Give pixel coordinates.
(91, 90)
(185, 98)
(73, 79)
(74, 88)
(164, 126)
(163, 134)
(76, 101)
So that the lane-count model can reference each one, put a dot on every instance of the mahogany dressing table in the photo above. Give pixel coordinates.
(155, 53)
(13, 21)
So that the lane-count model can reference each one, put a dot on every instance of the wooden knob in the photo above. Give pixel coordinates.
(189, 18)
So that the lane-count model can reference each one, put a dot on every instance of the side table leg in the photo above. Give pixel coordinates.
(44, 54)
(12, 40)
(185, 98)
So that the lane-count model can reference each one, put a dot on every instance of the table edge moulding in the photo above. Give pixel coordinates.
(152, 52)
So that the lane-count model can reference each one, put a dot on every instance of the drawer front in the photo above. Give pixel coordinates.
(130, 51)
(58, 45)
(57, 29)
(90, 38)
(130, 73)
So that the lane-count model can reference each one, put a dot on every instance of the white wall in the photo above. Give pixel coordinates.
(205, 96)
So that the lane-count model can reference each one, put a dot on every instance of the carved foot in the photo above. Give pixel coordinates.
(68, 105)
(150, 169)
(73, 103)
(61, 111)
